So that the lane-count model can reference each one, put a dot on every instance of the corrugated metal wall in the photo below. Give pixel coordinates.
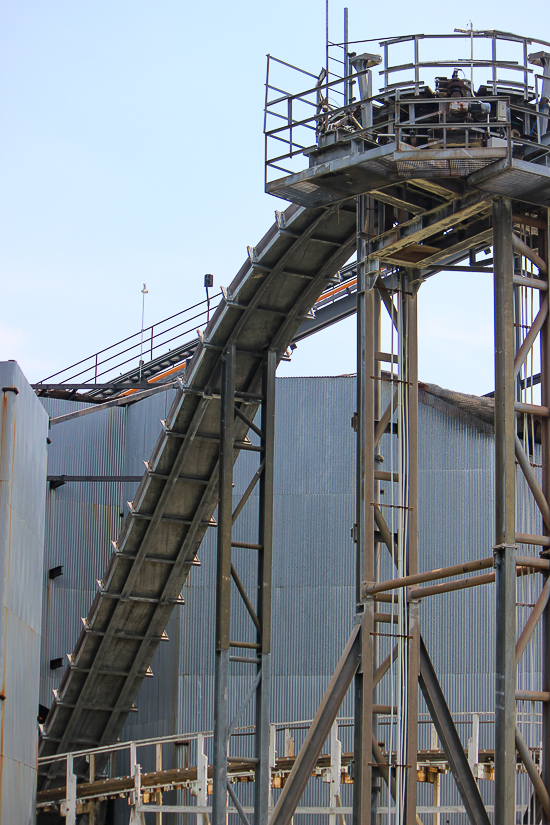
(23, 457)
(81, 521)
(314, 554)
(313, 596)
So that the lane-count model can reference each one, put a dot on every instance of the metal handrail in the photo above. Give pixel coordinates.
(382, 132)
(347, 281)
(153, 339)
(502, 89)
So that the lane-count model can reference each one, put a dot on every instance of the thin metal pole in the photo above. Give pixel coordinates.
(327, 80)
(346, 58)
(265, 539)
(378, 458)
(505, 514)
(410, 376)
(543, 250)
(223, 588)
(144, 292)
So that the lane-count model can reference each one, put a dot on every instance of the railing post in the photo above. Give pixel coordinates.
(158, 767)
(289, 743)
(91, 778)
(335, 771)
(202, 780)
(473, 743)
(70, 791)
(272, 759)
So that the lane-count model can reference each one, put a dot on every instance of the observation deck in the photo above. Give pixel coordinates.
(477, 119)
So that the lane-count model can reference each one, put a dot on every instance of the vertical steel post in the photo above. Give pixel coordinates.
(265, 539)
(70, 791)
(410, 390)
(261, 613)
(543, 251)
(223, 588)
(365, 423)
(347, 94)
(378, 458)
(505, 514)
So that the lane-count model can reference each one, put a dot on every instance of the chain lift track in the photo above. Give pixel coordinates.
(176, 499)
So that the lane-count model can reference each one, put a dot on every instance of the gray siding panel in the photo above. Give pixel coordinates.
(314, 556)
(23, 458)
(82, 518)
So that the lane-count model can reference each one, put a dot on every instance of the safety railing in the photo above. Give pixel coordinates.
(131, 353)
(172, 774)
(405, 108)
(138, 353)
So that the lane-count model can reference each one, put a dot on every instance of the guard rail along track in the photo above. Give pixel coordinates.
(176, 499)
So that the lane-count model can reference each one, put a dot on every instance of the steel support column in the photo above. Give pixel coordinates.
(367, 338)
(543, 251)
(258, 652)
(505, 514)
(372, 515)
(409, 436)
(223, 588)
(265, 539)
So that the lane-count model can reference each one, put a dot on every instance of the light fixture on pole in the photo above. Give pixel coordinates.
(208, 282)
(144, 292)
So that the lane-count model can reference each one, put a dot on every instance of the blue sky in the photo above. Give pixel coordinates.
(132, 150)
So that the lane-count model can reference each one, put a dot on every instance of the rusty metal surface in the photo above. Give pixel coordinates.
(24, 428)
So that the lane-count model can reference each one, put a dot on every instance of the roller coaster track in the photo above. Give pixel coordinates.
(174, 504)
(265, 308)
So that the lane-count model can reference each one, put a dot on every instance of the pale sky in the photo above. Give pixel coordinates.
(131, 150)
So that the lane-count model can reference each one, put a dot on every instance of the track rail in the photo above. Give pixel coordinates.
(263, 310)
(176, 499)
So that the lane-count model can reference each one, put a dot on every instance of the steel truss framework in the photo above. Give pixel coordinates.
(387, 576)
(436, 222)
(390, 532)
(228, 650)
(382, 531)
(412, 237)
(387, 553)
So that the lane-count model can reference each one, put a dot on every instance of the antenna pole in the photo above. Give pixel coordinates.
(472, 56)
(144, 292)
(326, 49)
(346, 59)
